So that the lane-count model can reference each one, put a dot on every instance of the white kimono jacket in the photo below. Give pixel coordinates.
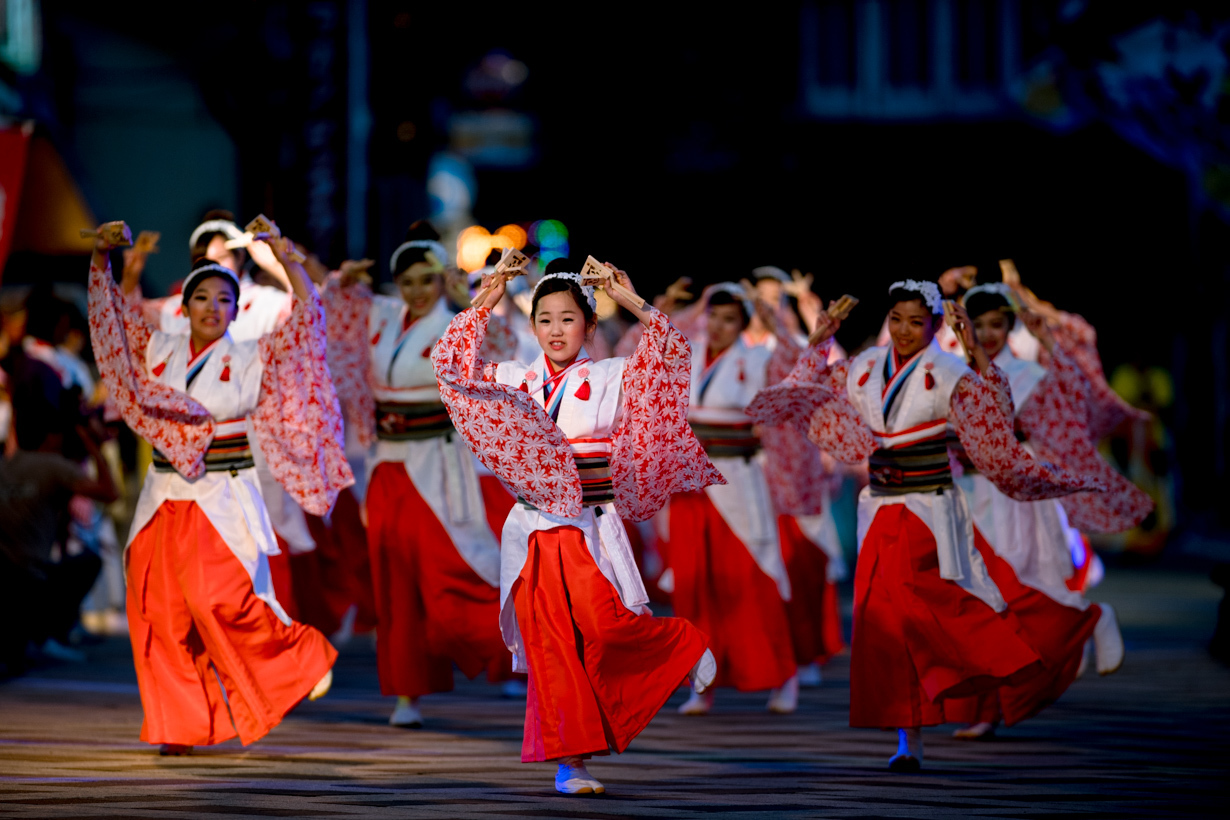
(441, 468)
(743, 502)
(1032, 536)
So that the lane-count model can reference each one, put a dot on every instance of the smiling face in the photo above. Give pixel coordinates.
(211, 309)
(991, 329)
(911, 326)
(724, 323)
(559, 326)
(421, 286)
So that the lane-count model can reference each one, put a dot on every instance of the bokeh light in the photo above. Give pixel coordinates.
(476, 242)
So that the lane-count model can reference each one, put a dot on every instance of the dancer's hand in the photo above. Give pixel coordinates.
(457, 287)
(826, 327)
(490, 291)
(1038, 328)
(354, 271)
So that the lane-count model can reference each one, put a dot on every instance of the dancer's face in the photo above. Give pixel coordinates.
(991, 329)
(220, 253)
(421, 287)
(211, 309)
(724, 323)
(911, 326)
(559, 325)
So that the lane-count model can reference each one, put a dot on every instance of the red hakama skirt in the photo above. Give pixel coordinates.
(1056, 632)
(598, 672)
(202, 640)
(721, 589)
(919, 639)
(433, 609)
(815, 621)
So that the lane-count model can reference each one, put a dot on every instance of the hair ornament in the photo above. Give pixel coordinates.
(436, 254)
(929, 291)
(586, 290)
(996, 288)
(738, 291)
(204, 272)
(223, 226)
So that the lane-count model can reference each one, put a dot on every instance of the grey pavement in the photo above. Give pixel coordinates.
(1149, 741)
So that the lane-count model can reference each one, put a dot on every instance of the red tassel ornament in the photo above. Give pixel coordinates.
(524, 388)
(929, 382)
(161, 366)
(427, 352)
(226, 369)
(862, 380)
(583, 391)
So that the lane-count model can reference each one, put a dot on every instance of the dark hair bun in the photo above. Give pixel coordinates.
(422, 231)
(561, 264)
(985, 301)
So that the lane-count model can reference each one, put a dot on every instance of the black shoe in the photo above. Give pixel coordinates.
(904, 763)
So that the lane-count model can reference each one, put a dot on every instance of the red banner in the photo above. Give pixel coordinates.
(14, 145)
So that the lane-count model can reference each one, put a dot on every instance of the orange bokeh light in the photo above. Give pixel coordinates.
(475, 242)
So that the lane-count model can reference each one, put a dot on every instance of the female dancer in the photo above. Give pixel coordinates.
(435, 562)
(208, 635)
(583, 443)
(1026, 546)
(929, 623)
(725, 558)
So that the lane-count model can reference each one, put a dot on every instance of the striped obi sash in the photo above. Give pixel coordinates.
(411, 421)
(911, 461)
(729, 440)
(593, 459)
(228, 452)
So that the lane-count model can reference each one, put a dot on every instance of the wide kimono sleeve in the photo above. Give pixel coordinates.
(813, 399)
(654, 453)
(794, 469)
(509, 432)
(1056, 418)
(990, 442)
(346, 314)
(297, 416)
(500, 343)
(1107, 409)
(170, 420)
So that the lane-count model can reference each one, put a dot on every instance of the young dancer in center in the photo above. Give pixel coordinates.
(583, 444)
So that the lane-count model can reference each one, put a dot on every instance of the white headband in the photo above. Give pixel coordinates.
(428, 244)
(738, 291)
(212, 269)
(771, 272)
(586, 290)
(223, 226)
(929, 291)
(997, 288)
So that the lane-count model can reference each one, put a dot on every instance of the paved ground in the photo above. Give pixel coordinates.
(1148, 741)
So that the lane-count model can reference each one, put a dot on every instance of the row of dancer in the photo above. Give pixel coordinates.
(610, 481)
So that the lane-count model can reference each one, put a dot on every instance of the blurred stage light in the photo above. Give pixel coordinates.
(515, 235)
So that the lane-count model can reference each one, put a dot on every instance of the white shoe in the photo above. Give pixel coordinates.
(698, 704)
(514, 689)
(785, 700)
(574, 778)
(406, 715)
(810, 676)
(322, 686)
(1107, 642)
(703, 673)
(976, 731)
(1086, 654)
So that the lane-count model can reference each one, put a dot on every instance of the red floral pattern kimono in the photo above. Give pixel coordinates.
(572, 602)
(929, 622)
(208, 633)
